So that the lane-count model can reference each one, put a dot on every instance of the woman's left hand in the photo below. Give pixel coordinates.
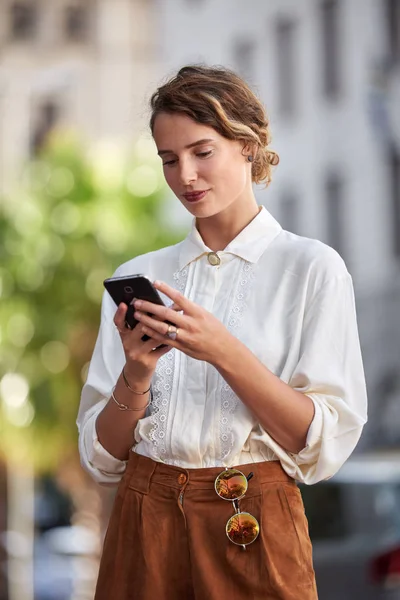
(198, 333)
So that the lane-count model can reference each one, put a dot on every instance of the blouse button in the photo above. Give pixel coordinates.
(213, 259)
(182, 479)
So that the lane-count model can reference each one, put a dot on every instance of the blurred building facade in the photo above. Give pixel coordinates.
(87, 64)
(329, 74)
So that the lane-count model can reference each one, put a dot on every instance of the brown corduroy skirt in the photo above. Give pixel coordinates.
(166, 538)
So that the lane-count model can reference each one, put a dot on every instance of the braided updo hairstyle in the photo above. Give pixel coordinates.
(219, 98)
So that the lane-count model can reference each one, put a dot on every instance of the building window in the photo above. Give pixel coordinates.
(23, 18)
(76, 23)
(394, 166)
(335, 212)
(330, 47)
(45, 119)
(243, 57)
(288, 212)
(393, 29)
(286, 66)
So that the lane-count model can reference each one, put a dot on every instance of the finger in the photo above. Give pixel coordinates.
(156, 325)
(160, 327)
(149, 346)
(120, 324)
(161, 350)
(158, 337)
(178, 298)
(161, 313)
(119, 317)
(174, 306)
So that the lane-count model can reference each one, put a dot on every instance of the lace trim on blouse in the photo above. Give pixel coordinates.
(162, 386)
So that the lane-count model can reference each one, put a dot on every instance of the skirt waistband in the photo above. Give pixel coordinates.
(142, 471)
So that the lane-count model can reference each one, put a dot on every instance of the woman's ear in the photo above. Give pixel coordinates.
(250, 152)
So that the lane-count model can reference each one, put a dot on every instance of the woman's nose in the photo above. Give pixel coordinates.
(187, 172)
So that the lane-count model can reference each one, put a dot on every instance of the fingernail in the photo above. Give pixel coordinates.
(138, 303)
(157, 282)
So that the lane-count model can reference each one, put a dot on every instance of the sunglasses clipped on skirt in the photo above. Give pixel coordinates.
(242, 528)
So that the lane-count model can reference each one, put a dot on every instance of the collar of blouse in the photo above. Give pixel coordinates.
(249, 245)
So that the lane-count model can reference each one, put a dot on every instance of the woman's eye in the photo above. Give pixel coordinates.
(204, 154)
(169, 162)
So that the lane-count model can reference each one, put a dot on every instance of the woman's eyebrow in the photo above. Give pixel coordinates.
(198, 143)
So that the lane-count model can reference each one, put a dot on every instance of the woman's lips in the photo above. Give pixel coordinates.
(195, 196)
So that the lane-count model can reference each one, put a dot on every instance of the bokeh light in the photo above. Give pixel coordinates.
(106, 161)
(55, 356)
(61, 182)
(20, 330)
(50, 249)
(112, 233)
(143, 181)
(30, 275)
(145, 150)
(65, 218)
(21, 416)
(14, 389)
(27, 217)
(94, 284)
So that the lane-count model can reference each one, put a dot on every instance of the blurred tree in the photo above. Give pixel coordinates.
(74, 217)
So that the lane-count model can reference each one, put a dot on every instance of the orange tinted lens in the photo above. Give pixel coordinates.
(242, 529)
(231, 484)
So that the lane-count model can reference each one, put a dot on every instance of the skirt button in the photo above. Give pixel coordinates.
(182, 479)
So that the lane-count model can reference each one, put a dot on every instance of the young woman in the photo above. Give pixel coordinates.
(256, 382)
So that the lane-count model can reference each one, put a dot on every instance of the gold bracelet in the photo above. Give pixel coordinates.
(129, 387)
(124, 406)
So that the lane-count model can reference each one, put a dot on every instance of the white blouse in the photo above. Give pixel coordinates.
(290, 300)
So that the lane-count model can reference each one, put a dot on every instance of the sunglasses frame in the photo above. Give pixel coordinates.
(235, 502)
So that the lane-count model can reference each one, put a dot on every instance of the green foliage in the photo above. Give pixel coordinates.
(74, 217)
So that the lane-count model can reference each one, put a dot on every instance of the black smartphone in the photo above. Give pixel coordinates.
(125, 289)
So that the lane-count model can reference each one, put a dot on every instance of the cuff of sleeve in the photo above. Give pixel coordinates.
(309, 454)
(104, 467)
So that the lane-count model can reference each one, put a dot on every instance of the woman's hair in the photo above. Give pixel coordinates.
(219, 98)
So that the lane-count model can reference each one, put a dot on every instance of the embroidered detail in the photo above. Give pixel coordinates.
(229, 400)
(162, 386)
(180, 278)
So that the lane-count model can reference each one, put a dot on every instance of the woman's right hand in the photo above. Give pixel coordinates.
(141, 357)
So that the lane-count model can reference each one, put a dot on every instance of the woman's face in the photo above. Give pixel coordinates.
(207, 172)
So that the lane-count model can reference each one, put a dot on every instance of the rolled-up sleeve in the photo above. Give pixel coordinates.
(330, 372)
(104, 369)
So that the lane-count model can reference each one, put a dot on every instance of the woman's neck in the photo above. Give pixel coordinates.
(220, 229)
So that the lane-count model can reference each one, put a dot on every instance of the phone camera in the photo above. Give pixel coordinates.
(128, 289)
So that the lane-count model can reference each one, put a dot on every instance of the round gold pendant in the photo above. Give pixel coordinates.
(213, 259)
